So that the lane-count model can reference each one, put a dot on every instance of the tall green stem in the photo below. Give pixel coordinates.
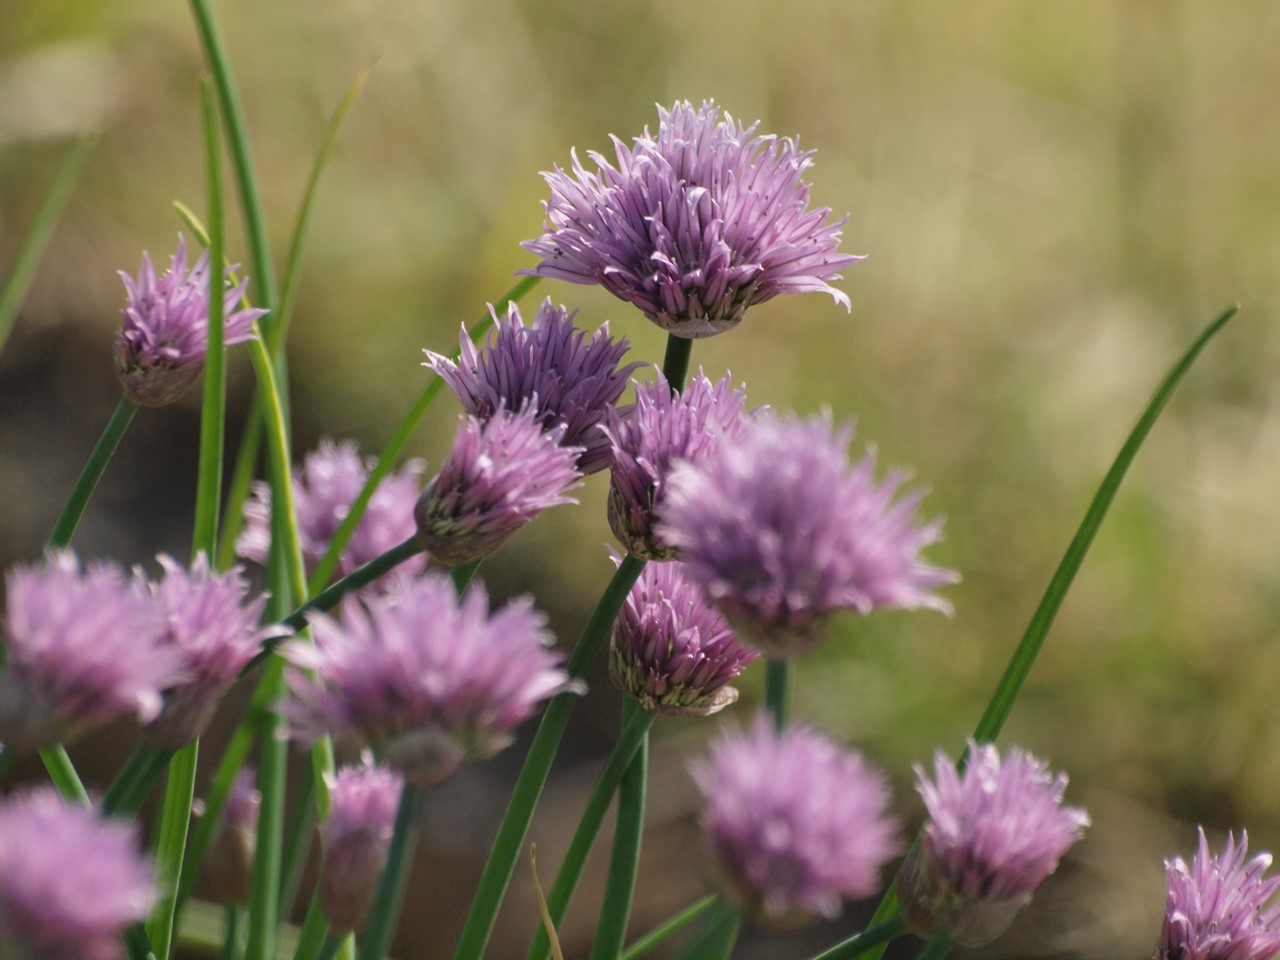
(777, 691)
(575, 857)
(515, 823)
(69, 519)
(876, 936)
(376, 940)
(937, 948)
(669, 928)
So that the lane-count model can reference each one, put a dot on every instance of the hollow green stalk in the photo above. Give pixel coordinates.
(669, 928)
(777, 691)
(1024, 656)
(575, 858)
(937, 948)
(315, 930)
(376, 939)
(125, 796)
(231, 933)
(69, 519)
(876, 936)
(718, 937)
(537, 764)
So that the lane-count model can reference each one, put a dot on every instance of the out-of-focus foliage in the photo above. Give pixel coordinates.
(1055, 196)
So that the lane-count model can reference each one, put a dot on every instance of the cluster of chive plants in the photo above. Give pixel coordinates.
(741, 533)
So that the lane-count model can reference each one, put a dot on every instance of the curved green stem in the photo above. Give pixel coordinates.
(515, 822)
(125, 796)
(65, 779)
(575, 858)
(315, 930)
(174, 822)
(376, 940)
(777, 691)
(718, 937)
(937, 948)
(264, 893)
(615, 911)
(69, 519)
(669, 927)
(231, 933)
(876, 936)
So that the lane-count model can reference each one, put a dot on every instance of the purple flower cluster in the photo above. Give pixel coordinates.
(88, 646)
(995, 833)
(324, 487)
(160, 348)
(1219, 907)
(362, 814)
(70, 882)
(502, 473)
(424, 678)
(781, 531)
(671, 651)
(660, 430)
(694, 225)
(796, 822)
(551, 367)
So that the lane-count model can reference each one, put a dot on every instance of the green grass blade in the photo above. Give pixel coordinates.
(14, 289)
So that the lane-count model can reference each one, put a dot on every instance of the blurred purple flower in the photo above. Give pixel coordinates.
(780, 531)
(424, 678)
(501, 474)
(214, 627)
(671, 650)
(362, 817)
(231, 852)
(552, 366)
(160, 349)
(70, 881)
(692, 226)
(650, 437)
(84, 647)
(796, 823)
(324, 488)
(1217, 908)
(995, 833)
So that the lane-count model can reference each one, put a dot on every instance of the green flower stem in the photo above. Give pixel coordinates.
(231, 933)
(669, 927)
(14, 289)
(876, 936)
(575, 858)
(937, 948)
(376, 939)
(125, 796)
(718, 937)
(65, 779)
(315, 930)
(675, 362)
(330, 948)
(387, 459)
(463, 575)
(777, 691)
(264, 893)
(241, 483)
(515, 822)
(238, 143)
(297, 844)
(1024, 657)
(137, 944)
(174, 821)
(624, 861)
(65, 528)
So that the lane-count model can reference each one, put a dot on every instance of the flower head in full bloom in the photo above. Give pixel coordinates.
(671, 650)
(214, 626)
(229, 862)
(362, 816)
(995, 833)
(160, 349)
(426, 679)
(796, 823)
(650, 437)
(694, 225)
(70, 881)
(324, 487)
(1218, 908)
(780, 531)
(84, 646)
(552, 367)
(502, 473)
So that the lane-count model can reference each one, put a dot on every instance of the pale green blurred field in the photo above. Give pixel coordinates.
(1054, 196)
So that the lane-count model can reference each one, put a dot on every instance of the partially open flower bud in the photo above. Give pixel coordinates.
(356, 836)
(230, 857)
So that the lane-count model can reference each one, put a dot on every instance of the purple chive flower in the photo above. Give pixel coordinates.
(796, 823)
(362, 819)
(1217, 908)
(424, 678)
(324, 488)
(84, 647)
(501, 474)
(692, 226)
(160, 349)
(213, 625)
(70, 881)
(995, 833)
(671, 650)
(780, 532)
(551, 366)
(650, 438)
(230, 858)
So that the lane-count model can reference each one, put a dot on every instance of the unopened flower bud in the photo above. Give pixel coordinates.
(362, 815)
(230, 857)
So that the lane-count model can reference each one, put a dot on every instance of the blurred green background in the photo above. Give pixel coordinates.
(1055, 197)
